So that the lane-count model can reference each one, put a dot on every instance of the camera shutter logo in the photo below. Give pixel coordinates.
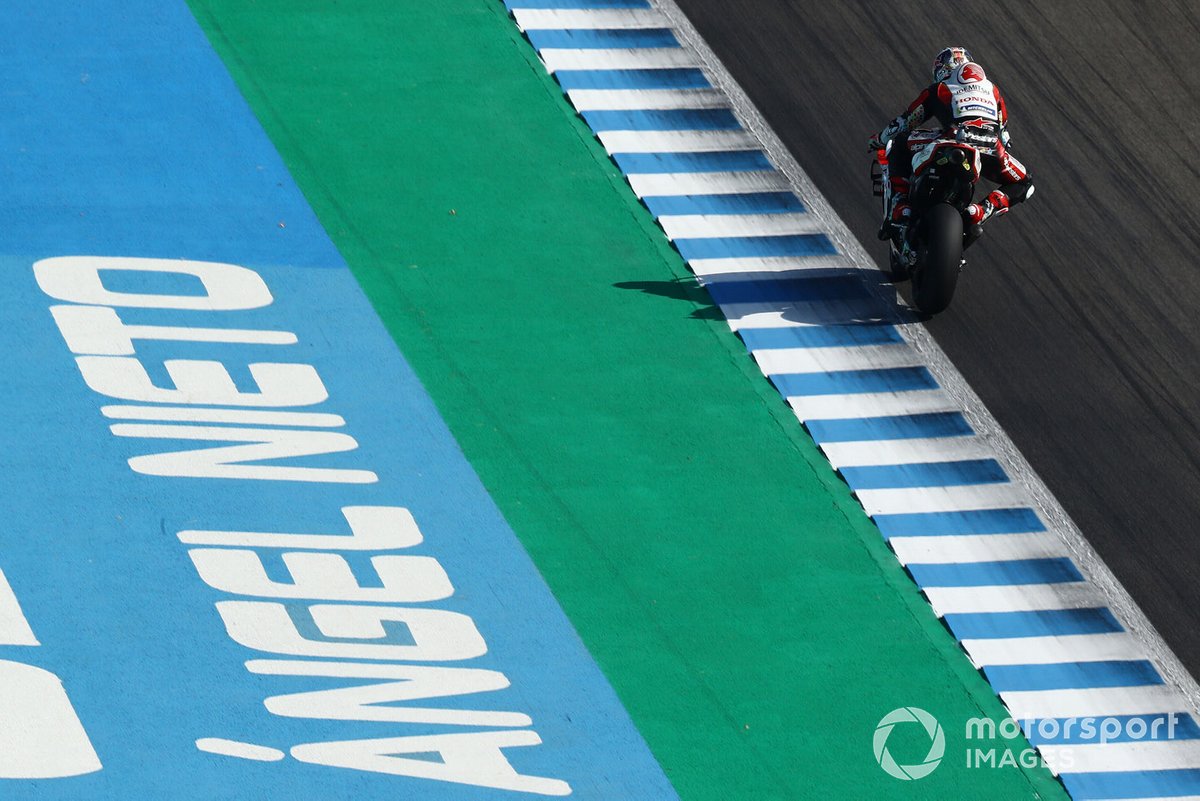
(937, 743)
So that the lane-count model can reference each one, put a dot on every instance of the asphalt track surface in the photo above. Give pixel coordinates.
(1076, 316)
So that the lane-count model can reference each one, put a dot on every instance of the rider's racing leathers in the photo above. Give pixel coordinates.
(971, 106)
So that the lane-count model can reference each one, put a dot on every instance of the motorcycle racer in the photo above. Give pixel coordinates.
(966, 105)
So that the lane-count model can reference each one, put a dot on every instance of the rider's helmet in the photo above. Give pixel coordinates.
(949, 60)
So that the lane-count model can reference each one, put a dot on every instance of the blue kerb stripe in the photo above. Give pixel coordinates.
(854, 382)
(1104, 785)
(819, 336)
(593, 39)
(901, 426)
(573, 4)
(665, 78)
(744, 203)
(738, 247)
(1148, 728)
(976, 521)
(1072, 675)
(925, 474)
(1045, 623)
(794, 290)
(991, 574)
(714, 161)
(685, 119)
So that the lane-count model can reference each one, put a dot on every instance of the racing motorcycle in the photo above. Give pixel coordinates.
(946, 168)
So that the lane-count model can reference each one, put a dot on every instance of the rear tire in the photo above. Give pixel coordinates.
(939, 260)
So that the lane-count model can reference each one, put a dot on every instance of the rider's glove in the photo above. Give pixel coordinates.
(893, 129)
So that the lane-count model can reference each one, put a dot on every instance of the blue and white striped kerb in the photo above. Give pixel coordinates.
(970, 536)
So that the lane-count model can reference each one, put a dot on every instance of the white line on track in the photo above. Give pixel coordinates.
(1146, 755)
(1013, 598)
(625, 99)
(906, 451)
(676, 141)
(776, 361)
(942, 499)
(874, 404)
(685, 226)
(618, 59)
(1052, 650)
(706, 183)
(977, 548)
(1099, 702)
(748, 268)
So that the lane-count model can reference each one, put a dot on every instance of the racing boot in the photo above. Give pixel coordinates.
(899, 212)
(995, 204)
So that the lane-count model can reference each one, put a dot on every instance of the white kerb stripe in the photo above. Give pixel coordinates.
(708, 270)
(942, 499)
(14, 627)
(610, 99)
(699, 226)
(532, 19)
(871, 404)
(706, 183)
(676, 141)
(620, 59)
(1054, 650)
(781, 361)
(1097, 702)
(776, 314)
(907, 451)
(1141, 755)
(1013, 598)
(967, 548)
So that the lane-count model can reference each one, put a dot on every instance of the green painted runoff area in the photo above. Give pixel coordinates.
(748, 614)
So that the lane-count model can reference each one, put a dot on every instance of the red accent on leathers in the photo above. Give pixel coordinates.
(995, 203)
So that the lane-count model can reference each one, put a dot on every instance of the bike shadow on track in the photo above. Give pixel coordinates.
(811, 297)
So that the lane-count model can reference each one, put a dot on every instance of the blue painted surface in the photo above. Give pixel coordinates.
(733, 203)
(992, 574)
(714, 119)
(1132, 784)
(943, 524)
(819, 336)
(808, 289)
(855, 382)
(126, 137)
(599, 39)
(1158, 727)
(900, 426)
(925, 474)
(1045, 623)
(715, 161)
(1072, 675)
(736, 247)
(664, 78)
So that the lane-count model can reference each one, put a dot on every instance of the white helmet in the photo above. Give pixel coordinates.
(948, 60)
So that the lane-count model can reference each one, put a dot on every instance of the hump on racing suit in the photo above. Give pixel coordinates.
(964, 101)
(965, 98)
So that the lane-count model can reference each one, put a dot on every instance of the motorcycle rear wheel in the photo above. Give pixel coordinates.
(939, 259)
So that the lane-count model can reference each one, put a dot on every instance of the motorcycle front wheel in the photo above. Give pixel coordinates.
(939, 259)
